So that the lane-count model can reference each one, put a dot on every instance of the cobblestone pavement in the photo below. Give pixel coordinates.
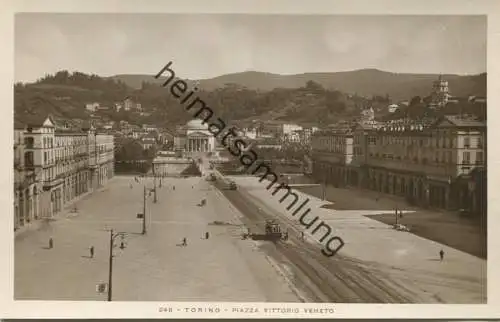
(411, 260)
(152, 266)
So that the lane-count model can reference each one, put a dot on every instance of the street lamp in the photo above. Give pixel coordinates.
(143, 215)
(112, 237)
(324, 189)
(155, 199)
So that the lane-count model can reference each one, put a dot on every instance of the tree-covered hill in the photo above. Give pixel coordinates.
(65, 94)
(364, 82)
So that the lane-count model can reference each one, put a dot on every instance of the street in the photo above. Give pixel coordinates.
(407, 266)
(152, 266)
(376, 265)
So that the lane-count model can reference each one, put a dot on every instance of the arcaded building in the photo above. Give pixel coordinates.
(432, 165)
(53, 166)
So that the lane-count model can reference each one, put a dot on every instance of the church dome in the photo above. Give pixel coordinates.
(197, 125)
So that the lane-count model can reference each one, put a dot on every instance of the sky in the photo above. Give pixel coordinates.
(205, 46)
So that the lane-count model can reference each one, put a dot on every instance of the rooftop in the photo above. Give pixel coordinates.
(32, 120)
(464, 121)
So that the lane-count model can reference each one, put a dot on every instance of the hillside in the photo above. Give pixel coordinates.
(365, 82)
(64, 96)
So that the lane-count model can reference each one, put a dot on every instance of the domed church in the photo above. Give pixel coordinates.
(194, 138)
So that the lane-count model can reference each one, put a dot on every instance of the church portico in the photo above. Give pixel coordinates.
(198, 142)
(194, 138)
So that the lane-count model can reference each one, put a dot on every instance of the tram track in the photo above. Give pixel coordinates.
(326, 279)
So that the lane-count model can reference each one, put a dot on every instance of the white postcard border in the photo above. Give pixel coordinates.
(52, 309)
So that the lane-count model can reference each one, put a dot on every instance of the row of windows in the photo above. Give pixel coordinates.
(445, 158)
(440, 142)
(49, 174)
(334, 149)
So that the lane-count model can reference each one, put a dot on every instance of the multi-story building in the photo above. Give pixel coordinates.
(277, 129)
(55, 166)
(92, 107)
(128, 104)
(26, 191)
(332, 154)
(293, 137)
(431, 165)
(290, 128)
(440, 93)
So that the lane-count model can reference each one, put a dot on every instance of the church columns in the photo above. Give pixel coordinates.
(198, 145)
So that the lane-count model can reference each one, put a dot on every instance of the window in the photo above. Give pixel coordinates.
(45, 157)
(480, 142)
(28, 159)
(29, 143)
(466, 157)
(479, 157)
(466, 142)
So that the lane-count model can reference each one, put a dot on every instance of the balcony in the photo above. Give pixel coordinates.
(29, 165)
(49, 184)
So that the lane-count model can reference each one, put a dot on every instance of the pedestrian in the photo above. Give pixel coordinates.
(207, 235)
(184, 241)
(174, 187)
(441, 254)
(91, 251)
(302, 235)
(51, 243)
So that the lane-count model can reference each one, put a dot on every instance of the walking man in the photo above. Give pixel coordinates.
(184, 241)
(207, 235)
(441, 254)
(51, 243)
(91, 251)
(302, 235)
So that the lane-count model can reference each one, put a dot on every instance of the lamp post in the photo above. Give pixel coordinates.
(155, 199)
(324, 189)
(112, 237)
(146, 190)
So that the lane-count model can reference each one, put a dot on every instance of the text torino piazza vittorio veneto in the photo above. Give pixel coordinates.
(248, 158)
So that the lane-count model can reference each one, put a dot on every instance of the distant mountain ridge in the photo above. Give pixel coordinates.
(364, 82)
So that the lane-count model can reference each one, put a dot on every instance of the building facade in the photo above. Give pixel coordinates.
(53, 167)
(440, 93)
(429, 165)
(194, 138)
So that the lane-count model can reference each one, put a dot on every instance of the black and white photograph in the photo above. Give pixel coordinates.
(278, 159)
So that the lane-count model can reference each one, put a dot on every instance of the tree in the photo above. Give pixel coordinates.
(131, 150)
(415, 100)
(314, 87)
